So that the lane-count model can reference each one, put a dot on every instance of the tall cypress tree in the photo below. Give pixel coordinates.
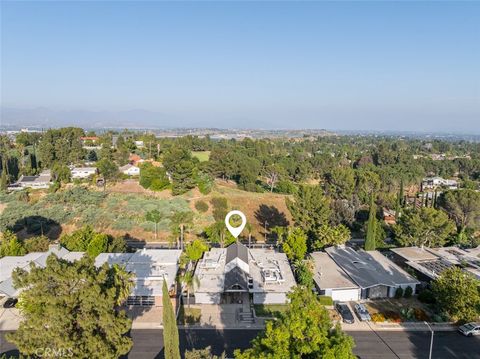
(170, 330)
(371, 227)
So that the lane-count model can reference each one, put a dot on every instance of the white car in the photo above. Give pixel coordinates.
(362, 312)
(470, 329)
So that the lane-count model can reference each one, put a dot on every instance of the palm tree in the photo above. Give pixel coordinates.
(124, 283)
(191, 282)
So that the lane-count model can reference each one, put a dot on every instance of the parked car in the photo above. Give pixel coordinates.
(345, 312)
(362, 312)
(470, 329)
(10, 303)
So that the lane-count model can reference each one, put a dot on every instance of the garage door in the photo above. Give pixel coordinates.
(345, 295)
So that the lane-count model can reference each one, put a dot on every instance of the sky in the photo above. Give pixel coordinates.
(379, 65)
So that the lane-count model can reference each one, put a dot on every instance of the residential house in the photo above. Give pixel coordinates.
(43, 180)
(429, 263)
(83, 172)
(239, 274)
(149, 266)
(438, 182)
(9, 263)
(130, 170)
(375, 274)
(331, 280)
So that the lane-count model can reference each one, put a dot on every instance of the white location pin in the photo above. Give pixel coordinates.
(235, 231)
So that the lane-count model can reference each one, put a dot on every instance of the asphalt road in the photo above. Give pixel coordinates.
(148, 344)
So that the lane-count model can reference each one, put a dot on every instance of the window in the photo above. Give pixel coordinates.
(146, 301)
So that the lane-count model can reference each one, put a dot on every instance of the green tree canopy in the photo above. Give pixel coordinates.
(327, 235)
(87, 240)
(310, 209)
(79, 309)
(295, 244)
(463, 206)
(458, 294)
(10, 245)
(423, 227)
(195, 249)
(304, 330)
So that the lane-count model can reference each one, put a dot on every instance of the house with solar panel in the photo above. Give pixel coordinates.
(238, 274)
(429, 263)
(43, 180)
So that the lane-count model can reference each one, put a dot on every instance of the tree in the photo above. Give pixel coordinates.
(170, 330)
(37, 244)
(154, 178)
(302, 331)
(217, 233)
(87, 240)
(273, 174)
(463, 206)
(10, 245)
(181, 222)
(80, 313)
(220, 208)
(195, 249)
(107, 168)
(153, 216)
(295, 244)
(457, 294)
(370, 240)
(340, 183)
(327, 235)
(310, 209)
(191, 281)
(304, 273)
(202, 354)
(61, 173)
(423, 227)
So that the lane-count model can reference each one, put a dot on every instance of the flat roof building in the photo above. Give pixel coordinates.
(331, 280)
(376, 275)
(225, 273)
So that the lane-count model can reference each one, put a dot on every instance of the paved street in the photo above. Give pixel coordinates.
(148, 344)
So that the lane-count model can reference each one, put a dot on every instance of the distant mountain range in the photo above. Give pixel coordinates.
(45, 118)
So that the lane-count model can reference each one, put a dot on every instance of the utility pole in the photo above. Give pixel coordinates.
(265, 227)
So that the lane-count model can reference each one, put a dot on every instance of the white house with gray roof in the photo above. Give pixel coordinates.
(375, 274)
(43, 180)
(149, 266)
(226, 274)
(331, 280)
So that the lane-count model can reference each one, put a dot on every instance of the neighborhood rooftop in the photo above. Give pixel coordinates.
(369, 269)
(327, 274)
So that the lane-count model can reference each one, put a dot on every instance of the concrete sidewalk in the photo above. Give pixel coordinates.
(406, 326)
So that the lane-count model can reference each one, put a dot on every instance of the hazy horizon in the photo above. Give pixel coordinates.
(371, 66)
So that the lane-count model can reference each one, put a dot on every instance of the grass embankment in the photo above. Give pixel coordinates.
(119, 211)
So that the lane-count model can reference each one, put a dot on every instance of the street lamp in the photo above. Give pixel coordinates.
(431, 340)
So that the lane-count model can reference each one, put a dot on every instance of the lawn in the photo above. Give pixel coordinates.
(269, 310)
(189, 315)
(203, 156)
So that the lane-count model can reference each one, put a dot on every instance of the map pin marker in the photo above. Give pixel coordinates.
(235, 231)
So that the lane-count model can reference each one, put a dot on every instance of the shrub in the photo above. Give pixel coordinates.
(201, 206)
(220, 208)
(399, 293)
(421, 315)
(325, 300)
(426, 296)
(286, 186)
(408, 292)
(378, 318)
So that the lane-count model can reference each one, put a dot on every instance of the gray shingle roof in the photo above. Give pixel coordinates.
(237, 250)
(369, 269)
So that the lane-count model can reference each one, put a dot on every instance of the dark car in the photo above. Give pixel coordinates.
(346, 313)
(10, 303)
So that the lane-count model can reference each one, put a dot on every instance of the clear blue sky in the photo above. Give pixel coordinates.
(336, 65)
